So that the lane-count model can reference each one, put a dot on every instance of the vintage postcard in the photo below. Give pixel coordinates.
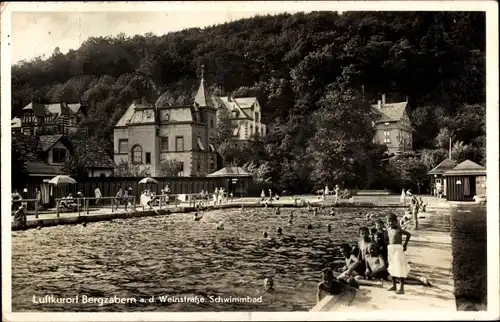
(249, 161)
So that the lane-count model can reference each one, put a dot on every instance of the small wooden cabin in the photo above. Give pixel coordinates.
(233, 179)
(437, 175)
(465, 181)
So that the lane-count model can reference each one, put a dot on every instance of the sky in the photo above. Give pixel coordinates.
(38, 33)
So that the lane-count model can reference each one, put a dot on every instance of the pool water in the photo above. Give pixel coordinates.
(177, 256)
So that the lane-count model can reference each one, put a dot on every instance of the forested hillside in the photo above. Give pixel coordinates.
(305, 69)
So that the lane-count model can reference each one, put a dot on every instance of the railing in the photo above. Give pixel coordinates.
(25, 202)
(208, 199)
(84, 204)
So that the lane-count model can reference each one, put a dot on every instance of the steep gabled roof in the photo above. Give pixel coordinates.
(202, 97)
(230, 172)
(390, 112)
(48, 141)
(445, 165)
(231, 105)
(42, 110)
(467, 167)
(137, 114)
(246, 102)
(15, 122)
(93, 155)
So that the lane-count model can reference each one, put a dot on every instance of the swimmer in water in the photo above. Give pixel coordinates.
(332, 212)
(220, 225)
(278, 210)
(280, 231)
(268, 284)
(315, 211)
(329, 226)
(309, 226)
(84, 224)
(265, 234)
(309, 208)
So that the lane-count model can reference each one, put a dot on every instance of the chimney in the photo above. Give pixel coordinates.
(379, 103)
(383, 99)
(406, 99)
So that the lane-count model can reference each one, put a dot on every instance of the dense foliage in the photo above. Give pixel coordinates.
(314, 75)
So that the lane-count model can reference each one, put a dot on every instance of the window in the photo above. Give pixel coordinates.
(179, 143)
(137, 154)
(164, 144)
(246, 129)
(387, 133)
(212, 123)
(122, 145)
(199, 166)
(148, 157)
(257, 117)
(58, 155)
(387, 140)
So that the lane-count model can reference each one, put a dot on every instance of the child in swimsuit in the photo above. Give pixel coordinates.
(332, 286)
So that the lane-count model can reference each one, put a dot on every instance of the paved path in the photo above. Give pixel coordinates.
(430, 255)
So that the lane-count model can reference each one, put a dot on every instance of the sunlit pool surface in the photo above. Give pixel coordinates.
(177, 256)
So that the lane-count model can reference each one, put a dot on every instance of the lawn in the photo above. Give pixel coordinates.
(468, 232)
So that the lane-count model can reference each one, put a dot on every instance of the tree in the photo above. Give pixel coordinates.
(432, 157)
(24, 149)
(442, 140)
(409, 171)
(461, 152)
(261, 173)
(225, 126)
(343, 135)
(170, 168)
(125, 169)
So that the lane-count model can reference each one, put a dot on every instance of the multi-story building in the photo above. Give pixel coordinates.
(247, 114)
(393, 126)
(45, 119)
(147, 135)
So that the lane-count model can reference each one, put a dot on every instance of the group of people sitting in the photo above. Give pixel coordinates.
(379, 256)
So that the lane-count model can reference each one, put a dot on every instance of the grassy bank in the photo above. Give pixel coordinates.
(468, 232)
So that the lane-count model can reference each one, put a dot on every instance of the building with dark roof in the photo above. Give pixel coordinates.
(247, 114)
(147, 135)
(437, 175)
(393, 126)
(465, 181)
(52, 152)
(56, 118)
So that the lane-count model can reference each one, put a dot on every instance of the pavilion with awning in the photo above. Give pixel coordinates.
(233, 179)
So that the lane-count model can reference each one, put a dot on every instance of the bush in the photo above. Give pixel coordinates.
(468, 232)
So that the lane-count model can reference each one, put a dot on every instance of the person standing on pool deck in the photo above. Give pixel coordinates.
(118, 198)
(337, 193)
(415, 207)
(398, 267)
(98, 195)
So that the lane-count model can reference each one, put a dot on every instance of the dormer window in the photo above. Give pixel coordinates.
(235, 114)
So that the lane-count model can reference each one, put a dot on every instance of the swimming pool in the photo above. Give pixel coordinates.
(176, 256)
